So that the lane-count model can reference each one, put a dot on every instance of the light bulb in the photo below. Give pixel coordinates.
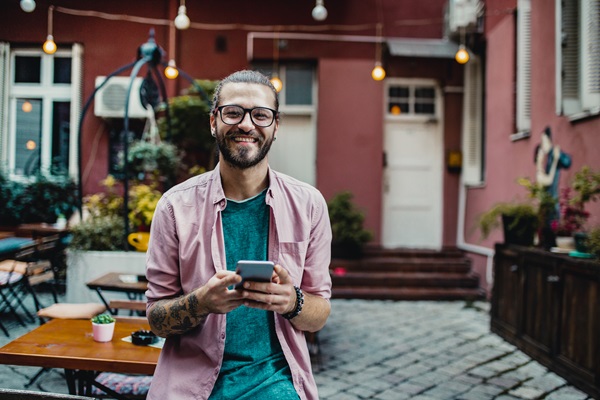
(28, 5)
(171, 72)
(462, 55)
(378, 72)
(49, 45)
(319, 13)
(182, 21)
(277, 84)
(27, 107)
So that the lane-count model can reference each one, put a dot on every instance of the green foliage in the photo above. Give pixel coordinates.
(190, 118)
(347, 221)
(103, 319)
(41, 199)
(586, 185)
(104, 233)
(521, 212)
(593, 241)
(154, 160)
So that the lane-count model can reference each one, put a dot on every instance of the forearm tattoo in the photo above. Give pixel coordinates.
(176, 316)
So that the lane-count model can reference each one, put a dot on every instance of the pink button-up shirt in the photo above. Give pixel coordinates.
(186, 249)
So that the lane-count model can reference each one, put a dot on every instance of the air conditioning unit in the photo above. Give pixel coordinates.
(110, 99)
(462, 15)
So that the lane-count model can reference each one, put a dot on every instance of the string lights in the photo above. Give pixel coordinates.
(182, 21)
(27, 5)
(49, 45)
(319, 13)
(277, 83)
(462, 55)
(171, 72)
(378, 73)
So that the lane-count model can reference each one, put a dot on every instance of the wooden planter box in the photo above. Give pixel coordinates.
(548, 305)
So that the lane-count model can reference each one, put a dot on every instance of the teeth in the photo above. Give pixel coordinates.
(244, 139)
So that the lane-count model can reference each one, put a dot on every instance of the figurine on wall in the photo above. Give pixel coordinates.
(549, 160)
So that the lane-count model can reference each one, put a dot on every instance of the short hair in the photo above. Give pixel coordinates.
(244, 76)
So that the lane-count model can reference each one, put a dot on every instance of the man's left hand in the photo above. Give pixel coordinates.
(278, 295)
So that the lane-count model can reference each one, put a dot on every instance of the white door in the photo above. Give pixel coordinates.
(295, 151)
(412, 192)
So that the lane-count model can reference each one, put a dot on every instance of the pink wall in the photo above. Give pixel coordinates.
(350, 139)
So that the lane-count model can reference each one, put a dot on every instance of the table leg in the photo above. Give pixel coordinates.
(99, 291)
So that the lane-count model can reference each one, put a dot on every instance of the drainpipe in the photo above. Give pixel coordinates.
(306, 36)
(460, 235)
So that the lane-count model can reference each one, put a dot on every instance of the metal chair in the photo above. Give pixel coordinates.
(10, 394)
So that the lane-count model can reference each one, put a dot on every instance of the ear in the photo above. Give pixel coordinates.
(275, 127)
(213, 123)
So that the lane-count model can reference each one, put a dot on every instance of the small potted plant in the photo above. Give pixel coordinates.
(349, 236)
(103, 327)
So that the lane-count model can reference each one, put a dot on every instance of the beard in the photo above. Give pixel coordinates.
(241, 157)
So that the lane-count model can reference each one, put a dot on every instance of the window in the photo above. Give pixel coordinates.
(40, 110)
(523, 100)
(578, 58)
(298, 93)
(405, 100)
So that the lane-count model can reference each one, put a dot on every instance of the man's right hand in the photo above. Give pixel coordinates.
(215, 297)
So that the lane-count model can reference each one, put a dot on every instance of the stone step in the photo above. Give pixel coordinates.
(411, 293)
(404, 279)
(374, 251)
(404, 264)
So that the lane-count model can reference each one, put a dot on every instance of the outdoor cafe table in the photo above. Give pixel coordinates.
(133, 285)
(68, 344)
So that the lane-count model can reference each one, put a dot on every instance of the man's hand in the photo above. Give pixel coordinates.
(179, 315)
(279, 296)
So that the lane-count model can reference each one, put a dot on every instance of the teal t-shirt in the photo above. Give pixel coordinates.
(254, 366)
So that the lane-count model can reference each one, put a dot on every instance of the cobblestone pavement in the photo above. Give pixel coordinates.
(388, 350)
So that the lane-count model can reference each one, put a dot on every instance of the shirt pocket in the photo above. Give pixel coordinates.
(292, 256)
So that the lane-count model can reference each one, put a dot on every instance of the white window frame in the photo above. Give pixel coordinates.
(523, 100)
(585, 61)
(48, 92)
(412, 84)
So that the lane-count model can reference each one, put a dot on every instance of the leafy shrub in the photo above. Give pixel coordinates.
(347, 221)
(104, 233)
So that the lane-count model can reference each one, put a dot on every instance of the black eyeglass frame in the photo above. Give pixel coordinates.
(219, 110)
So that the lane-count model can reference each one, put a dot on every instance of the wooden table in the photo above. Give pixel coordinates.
(68, 344)
(133, 285)
(40, 229)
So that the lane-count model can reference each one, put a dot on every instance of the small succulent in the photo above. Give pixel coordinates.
(103, 319)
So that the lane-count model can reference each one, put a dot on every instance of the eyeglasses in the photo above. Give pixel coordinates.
(260, 116)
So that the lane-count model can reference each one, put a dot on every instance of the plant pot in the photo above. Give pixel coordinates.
(580, 239)
(520, 232)
(103, 332)
(565, 242)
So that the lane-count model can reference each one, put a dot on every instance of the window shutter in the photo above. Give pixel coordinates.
(523, 102)
(472, 128)
(590, 39)
(76, 104)
(570, 57)
(4, 84)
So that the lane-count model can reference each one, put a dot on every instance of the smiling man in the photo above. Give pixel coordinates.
(224, 343)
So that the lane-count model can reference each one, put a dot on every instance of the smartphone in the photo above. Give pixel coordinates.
(256, 271)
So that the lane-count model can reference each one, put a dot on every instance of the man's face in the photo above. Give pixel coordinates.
(244, 145)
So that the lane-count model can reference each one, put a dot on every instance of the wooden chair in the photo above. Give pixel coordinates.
(10, 394)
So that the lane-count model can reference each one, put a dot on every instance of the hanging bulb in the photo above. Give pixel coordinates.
(49, 45)
(27, 107)
(171, 72)
(319, 13)
(28, 5)
(378, 72)
(182, 21)
(462, 55)
(277, 84)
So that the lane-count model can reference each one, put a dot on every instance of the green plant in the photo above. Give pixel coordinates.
(593, 241)
(154, 160)
(103, 319)
(586, 185)
(105, 233)
(347, 221)
(518, 212)
(39, 199)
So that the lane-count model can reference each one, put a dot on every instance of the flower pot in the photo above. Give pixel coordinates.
(520, 232)
(139, 240)
(565, 242)
(580, 239)
(103, 332)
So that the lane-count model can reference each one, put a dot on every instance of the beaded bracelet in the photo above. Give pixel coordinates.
(299, 303)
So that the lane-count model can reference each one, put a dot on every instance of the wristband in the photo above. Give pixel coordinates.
(299, 303)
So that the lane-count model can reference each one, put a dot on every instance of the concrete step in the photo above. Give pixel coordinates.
(412, 293)
(405, 279)
(404, 264)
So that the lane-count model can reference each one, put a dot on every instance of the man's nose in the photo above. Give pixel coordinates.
(246, 123)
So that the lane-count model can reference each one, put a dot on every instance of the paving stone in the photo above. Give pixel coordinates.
(526, 392)
(547, 382)
(504, 382)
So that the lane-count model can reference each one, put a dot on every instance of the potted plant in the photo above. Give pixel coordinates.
(586, 188)
(520, 219)
(347, 221)
(103, 327)
(592, 242)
